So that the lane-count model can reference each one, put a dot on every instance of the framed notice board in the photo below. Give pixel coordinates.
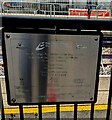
(48, 67)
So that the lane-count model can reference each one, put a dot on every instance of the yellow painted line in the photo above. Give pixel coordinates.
(47, 109)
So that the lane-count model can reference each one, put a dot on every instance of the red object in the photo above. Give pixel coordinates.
(107, 14)
(83, 12)
(8, 4)
(52, 95)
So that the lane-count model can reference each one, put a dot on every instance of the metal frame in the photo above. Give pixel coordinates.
(55, 24)
(50, 32)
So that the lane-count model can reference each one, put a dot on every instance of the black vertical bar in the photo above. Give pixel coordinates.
(21, 112)
(92, 111)
(75, 111)
(57, 111)
(40, 111)
(109, 99)
(3, 114)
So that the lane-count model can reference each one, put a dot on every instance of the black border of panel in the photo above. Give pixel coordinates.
(62, 23)
(66, 32)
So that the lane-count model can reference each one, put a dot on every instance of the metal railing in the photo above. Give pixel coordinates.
(56, 9)
(57, 25)
(75, 112)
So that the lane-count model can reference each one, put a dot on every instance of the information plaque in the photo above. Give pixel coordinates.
(50, 68)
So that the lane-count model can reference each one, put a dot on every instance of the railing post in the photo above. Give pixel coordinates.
(54, 9)
(57, 111)
(75, 111)
(92, 112)
(40, 111)
(50, 10)
(2, 111)
(109, 99)
(21, 112)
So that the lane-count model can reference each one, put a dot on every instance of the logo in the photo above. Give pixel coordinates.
(80, 47)
(42, 46)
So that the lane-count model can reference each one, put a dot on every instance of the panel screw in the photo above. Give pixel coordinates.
(96, 39)
(7, 36)
(21, 78)
(91, 98)
(13, 100)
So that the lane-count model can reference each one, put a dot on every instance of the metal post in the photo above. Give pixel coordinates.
(89, 12)
(97, 13)
(40, 111)
(92, 112)
(109, 99)
(50, 10)
(57, 111)
(21, 112)
(54, 9)
(75, 111)
(2, 111)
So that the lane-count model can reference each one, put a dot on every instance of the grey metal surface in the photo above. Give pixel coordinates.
(51, 68)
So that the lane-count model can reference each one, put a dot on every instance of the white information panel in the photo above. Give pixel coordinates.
(47, 68)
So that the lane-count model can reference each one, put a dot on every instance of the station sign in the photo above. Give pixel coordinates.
(51, 68)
